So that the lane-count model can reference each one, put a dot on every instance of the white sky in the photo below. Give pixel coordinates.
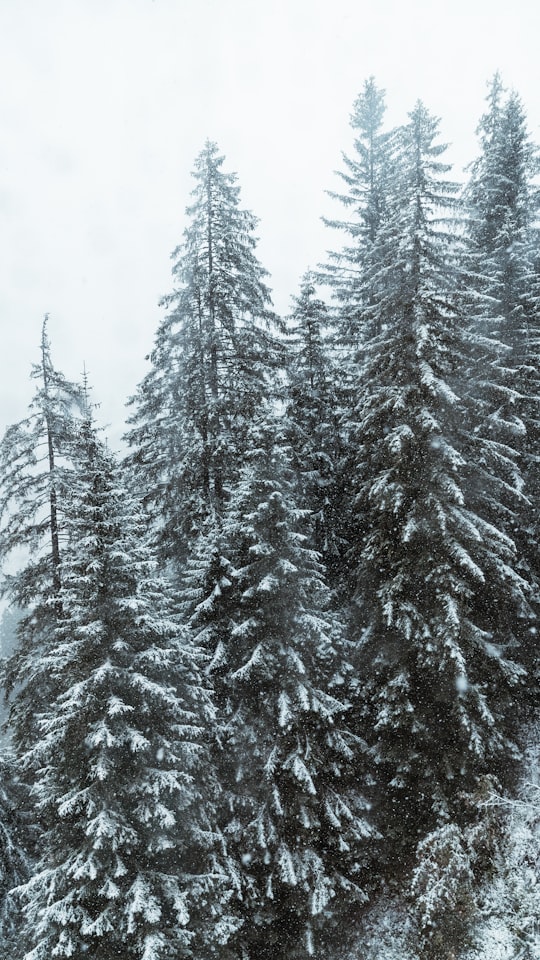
(104, 105)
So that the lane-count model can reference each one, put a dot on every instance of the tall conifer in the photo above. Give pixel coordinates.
(294, 811)
(437, 680)
(504, 304)
(34, 466)
(211, 365)
(352, 274)
(313, 424)
(15, 857)
(127, 855)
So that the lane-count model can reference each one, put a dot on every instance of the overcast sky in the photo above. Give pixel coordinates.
(104, 105)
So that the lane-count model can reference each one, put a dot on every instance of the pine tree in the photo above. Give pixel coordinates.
(37, 444)
(34, 463)
(367, 177)
(313, 428)
(9, 622)
(211, 364)
(355, 281)
(505, 307)
(442, 891)
(511, 898)
(294, 812)
(14, 854)
(127, 861)
(436, 682)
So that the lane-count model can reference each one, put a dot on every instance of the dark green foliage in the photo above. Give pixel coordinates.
(15, 859)
(442, 892)
(353, 276)
(295, 822)
(368, 179)
(436, 681)
(313, 427)
(127, 853)
(35, 465)
(211, 365)
(505, 306)
(511, 899)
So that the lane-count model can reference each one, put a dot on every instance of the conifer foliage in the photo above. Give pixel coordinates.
(14, 855)
(421, 555)
(296, 823)
(504, 303)
(367, 180)
(212, 361)
(34, 464)
(126, 846)
(313, 426)
(354, 278)
(510, 921)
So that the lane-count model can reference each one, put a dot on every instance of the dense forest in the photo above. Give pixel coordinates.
(270, 676)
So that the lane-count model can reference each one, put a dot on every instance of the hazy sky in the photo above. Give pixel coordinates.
(104, 105)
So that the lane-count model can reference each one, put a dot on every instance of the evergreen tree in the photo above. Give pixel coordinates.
(127, 857)
(500, 195)
(368, 184)
(210, 370)
(437, 683)
(510, 901)
(9, 622)
(354, 277)
(442, 892)
(293, 809)
(313, 428)
(505, 307)
(14, 855)
(34, 464)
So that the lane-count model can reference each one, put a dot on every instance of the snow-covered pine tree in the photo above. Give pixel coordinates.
(213, 357)
(502, 208)
(14, 855)
(445, 898)
(313, 430)
(368, 178)
(127, 857)
(436, 684)
(510, 900)
(442, 894)
(352, 275)
(293, 810)
(504, 305)
(9, 622)
(34, 458)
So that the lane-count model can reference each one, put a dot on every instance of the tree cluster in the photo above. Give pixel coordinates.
(274, 679)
